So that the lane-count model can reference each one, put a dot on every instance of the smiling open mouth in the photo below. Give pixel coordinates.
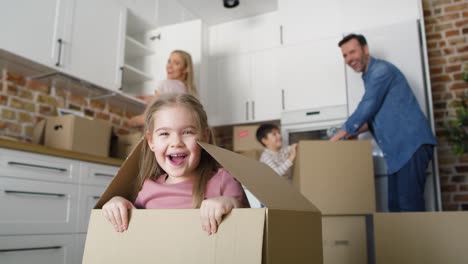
(177, 159)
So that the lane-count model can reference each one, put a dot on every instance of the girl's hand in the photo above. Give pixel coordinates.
(116, 212)
(212, 211)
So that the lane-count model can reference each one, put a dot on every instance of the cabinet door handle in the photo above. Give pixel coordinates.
(281, 34)
(282, 98)
(98, 174)
(341, 242)
(313, 113)
(247, 110)
(34, 193)
(96, 197)
(253, 110)
(14, 163)
(59, 58)
(121, 78)
(29, 249)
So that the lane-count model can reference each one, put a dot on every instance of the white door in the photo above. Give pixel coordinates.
(32, 28)
(96, 48)
(312, 74)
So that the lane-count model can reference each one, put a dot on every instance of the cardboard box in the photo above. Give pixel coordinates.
(74, 133)
(126, 143)
(338, 177)
(244, 139)
(425, 237)
(345, 239)
(287, 231)
(252, 154)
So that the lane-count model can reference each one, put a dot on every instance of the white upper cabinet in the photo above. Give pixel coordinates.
(32, 29)
(245, 35)
(187, 36)
(145, 9)
(82, 38)
(96, 45)
(244, 88)
(266, 102)
(305, 20)
(312, 74)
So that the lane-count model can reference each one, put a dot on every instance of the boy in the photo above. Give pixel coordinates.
(279, 158)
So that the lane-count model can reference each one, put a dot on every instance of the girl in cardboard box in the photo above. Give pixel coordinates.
(176, 172)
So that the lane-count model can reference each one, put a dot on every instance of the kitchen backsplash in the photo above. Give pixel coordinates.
(23, 103)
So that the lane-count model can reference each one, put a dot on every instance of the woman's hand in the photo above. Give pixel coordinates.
(212, 211)
(116, 212)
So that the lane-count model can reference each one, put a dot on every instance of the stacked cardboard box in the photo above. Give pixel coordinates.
(338, 178)
(245, 142)
(288, 230)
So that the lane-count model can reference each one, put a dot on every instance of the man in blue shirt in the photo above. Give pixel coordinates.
(390, 111)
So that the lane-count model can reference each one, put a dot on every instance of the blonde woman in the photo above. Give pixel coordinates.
(179, 69)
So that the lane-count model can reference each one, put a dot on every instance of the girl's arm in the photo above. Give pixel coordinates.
(116, 212)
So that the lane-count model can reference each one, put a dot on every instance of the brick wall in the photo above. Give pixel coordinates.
(23, 103)
(446, 33)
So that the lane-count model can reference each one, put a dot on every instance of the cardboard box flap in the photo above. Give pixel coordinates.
(273, 191)
(176, 236)
(124, 182)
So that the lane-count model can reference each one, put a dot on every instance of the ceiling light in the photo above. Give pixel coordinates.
(230, 3)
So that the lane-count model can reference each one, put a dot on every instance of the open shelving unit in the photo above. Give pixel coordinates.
(136, 51)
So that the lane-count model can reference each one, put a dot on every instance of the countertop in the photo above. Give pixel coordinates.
(40, 149)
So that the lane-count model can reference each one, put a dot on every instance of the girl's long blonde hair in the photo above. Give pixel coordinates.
(150, 169)
(189, 80)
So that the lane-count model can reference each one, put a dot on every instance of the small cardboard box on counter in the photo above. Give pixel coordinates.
(288, 230)
(421, 237)
(126, 143)
(244, 139)
(338, 177)
(75, 133)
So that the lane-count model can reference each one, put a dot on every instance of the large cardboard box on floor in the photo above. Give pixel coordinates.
(75, 133)
(288, 230)
(346, 240)
(338, 177)
(244, 138)
(423, 237)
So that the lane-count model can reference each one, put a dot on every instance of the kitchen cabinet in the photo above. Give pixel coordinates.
(245, 88)
(32, 29)
(304, 20)
(312, 74)
(95, 47)
(82, 38)
(245, 35)
(137, 54)
(38, 249)
(187, 36)
(48, 200)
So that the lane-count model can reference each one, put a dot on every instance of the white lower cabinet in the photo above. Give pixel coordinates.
(38, 249)
(33, 207)
(46, 202)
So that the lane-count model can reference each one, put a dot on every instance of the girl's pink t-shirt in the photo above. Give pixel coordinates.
(156, 195)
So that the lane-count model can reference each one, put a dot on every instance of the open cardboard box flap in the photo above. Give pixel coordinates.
(287, 231)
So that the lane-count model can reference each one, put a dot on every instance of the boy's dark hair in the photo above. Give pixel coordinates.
(360, 38)
(263, 130)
